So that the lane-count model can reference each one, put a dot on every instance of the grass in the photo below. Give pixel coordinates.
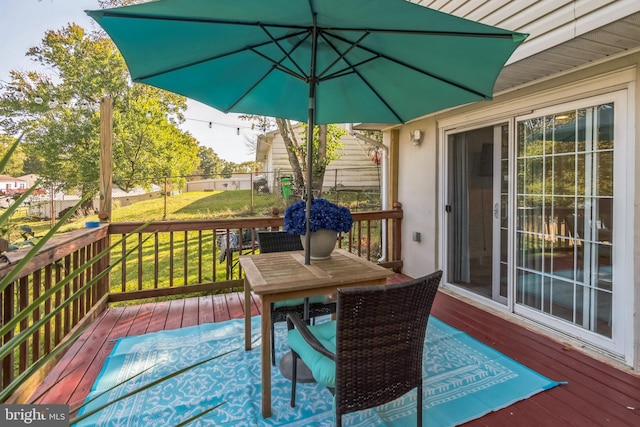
(199, 205)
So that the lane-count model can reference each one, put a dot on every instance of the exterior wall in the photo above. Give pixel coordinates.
(418, 193)
(421, 169)
(353, 170)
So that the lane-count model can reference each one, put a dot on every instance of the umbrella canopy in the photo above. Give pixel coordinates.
(321, 61)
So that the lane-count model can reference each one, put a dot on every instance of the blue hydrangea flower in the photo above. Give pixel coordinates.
(324, 214)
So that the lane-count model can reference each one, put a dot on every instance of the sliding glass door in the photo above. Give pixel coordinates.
(564, 216)
(536, 217)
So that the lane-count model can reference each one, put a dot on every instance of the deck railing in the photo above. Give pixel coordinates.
(165, 258)
(54, 296)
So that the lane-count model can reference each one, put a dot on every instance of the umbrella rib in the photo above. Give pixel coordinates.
(377, 94)
(424, 32)
(213, 58)
(287, 54)
(418, 70)
(275, 64)
(120, 14)
(278, 65)
(112, 14)
(340, 55)
(348, 70)
(248, 91)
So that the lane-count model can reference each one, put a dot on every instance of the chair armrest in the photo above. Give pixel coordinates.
(294, 320)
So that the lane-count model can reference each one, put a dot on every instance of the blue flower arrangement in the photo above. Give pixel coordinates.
(324, 214)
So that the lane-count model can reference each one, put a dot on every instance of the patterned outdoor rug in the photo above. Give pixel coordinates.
(464, 380)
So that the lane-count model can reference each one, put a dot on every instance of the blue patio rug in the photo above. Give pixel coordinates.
(464, 379)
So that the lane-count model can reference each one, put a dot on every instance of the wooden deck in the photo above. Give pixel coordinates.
(597, 394)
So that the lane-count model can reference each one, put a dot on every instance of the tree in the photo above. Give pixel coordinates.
(59, 114)
(246, 167)
(147, 144)
(210, 163)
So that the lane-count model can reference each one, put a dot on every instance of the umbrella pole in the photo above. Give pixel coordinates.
(311, 124)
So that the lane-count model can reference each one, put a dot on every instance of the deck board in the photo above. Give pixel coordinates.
(597, 393)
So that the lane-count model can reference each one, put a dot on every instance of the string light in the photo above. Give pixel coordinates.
(212, 123)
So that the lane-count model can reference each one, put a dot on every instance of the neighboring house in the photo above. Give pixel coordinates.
(10, 185)
(354, 170)
(530, 203)
(240, 181)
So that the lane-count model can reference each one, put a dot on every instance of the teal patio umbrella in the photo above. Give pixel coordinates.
(319, 61)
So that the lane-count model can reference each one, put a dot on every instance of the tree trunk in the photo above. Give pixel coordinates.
(291, 144)
(319, 164)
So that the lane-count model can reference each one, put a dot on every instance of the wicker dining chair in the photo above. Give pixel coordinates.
(279, 241)
(372, 353)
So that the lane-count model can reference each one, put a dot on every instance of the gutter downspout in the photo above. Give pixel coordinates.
(384, 185)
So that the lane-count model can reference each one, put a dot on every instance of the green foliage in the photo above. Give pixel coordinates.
(15, 164)
(211, 164)
(61, 121)
(323, 155)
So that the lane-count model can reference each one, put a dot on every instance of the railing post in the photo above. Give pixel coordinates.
(104, 284)
(106, 158)
(251, 188)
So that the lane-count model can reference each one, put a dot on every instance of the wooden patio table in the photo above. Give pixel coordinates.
(279, 276)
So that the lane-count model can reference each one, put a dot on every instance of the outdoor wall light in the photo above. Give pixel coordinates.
(416, 137)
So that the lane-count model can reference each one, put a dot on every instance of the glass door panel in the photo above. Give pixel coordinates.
(564, 216)
(477, 211)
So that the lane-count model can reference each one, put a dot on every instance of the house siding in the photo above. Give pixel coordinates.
(354, 170)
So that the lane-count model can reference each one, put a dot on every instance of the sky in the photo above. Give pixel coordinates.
(23, 24)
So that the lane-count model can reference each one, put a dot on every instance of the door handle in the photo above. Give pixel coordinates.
(496, 210)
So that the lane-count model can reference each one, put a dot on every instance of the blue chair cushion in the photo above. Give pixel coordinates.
(322, 368)
(322, 299)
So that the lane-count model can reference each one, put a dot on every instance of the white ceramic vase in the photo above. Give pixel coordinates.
(323, 242)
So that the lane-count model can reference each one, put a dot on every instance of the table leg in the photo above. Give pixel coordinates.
(266, 357)
(247, 315)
